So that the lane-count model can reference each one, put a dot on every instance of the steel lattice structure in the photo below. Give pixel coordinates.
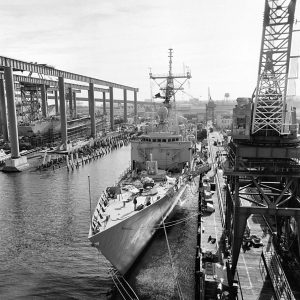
(263, 171)
(270, 99)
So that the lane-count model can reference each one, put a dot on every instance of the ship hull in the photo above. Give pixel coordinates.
(124, 242)
(39, 128)
(44, 126)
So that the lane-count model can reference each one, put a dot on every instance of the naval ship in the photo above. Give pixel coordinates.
(162, 163)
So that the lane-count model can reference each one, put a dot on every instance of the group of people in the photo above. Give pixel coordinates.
(147, 202)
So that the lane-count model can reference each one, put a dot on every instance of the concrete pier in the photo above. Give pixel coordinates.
(125, 105)
(92, 109)
(56, 102)
(70, 96)
(104, 108)
(11, 109)
(104, 103)
(135, 106)
(44, 100)
(111, 107)
(63, 117)
(74, 105)
(16, 163)
(3, 118)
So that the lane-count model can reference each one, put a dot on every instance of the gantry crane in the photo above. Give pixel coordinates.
(264, 168)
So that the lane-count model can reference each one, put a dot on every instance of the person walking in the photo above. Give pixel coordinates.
(135, 202)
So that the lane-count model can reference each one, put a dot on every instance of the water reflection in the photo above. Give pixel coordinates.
(44, 219)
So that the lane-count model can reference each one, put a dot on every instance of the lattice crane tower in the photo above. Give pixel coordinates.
(263, 167)
(271, 116)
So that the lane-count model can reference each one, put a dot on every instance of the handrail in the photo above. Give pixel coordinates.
(278, 279)
(220, 198)
(220, 201)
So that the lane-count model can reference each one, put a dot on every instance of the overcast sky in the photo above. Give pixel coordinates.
(119, 40)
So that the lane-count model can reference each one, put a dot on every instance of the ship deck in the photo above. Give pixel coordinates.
(122, 207)
(251, 273)
(111, 211)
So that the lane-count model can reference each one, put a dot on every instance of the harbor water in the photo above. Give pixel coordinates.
(44, 249)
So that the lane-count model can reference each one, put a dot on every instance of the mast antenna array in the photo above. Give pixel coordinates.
(170, 61)
(166, 82)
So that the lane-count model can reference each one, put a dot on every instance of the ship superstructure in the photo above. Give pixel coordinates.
(167, 142)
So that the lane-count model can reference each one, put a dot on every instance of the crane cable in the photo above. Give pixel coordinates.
(117, 287)
(172, 264)
(112, 277)
(166, 225)
(176, 222)
(124, 288)
(129, 286)
(116, 280)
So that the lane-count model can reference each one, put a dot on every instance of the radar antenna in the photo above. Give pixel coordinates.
(166, 84)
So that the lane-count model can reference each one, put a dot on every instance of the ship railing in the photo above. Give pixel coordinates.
(276, 273)
(124, 174)
(221, 200)
(100, 218)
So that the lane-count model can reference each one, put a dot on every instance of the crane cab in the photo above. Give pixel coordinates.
(241, 123)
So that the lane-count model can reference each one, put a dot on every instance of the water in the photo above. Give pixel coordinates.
(44, 250)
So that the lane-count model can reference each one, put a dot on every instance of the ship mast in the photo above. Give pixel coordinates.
(170, 61)
(170, 81)
(166, 85)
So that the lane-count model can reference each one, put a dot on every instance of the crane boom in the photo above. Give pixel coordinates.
(270, 112)
(263, 154)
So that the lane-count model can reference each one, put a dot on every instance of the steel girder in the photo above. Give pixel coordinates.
(51, 83)
(252, 190)
(18, 65)
(270, 98)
